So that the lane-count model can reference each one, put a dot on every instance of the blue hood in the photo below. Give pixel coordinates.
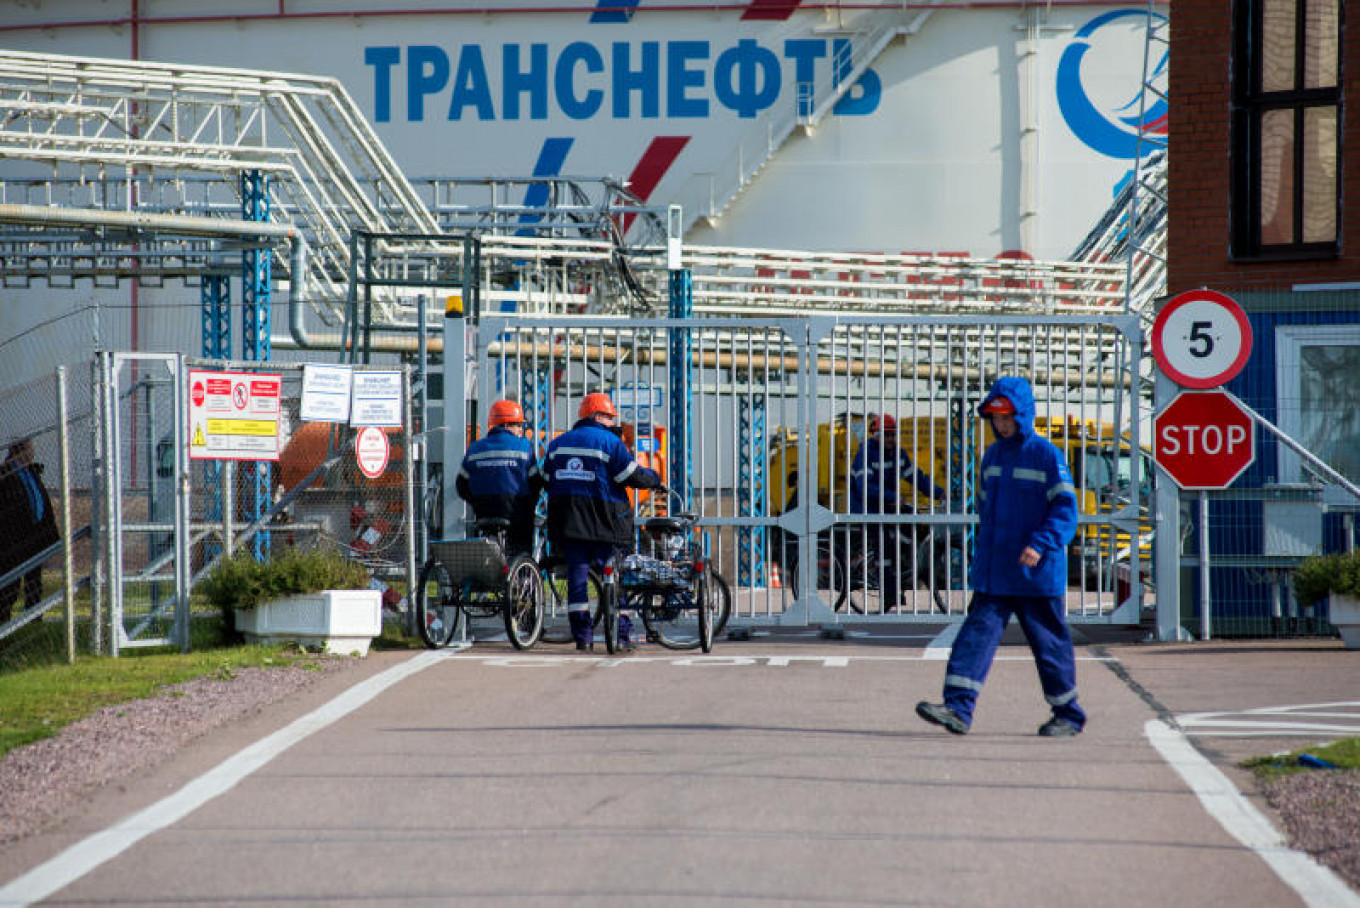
(1021, 396)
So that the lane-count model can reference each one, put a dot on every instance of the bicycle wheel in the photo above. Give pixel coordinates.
(706, 596)
(438, 615)
(609, 609)
(944, 554)
(833, 582)
(722, 602)
(523, 608)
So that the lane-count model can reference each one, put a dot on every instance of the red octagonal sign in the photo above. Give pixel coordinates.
(1204, 440)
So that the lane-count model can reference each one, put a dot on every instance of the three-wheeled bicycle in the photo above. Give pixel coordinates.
(479, 578)
(669, 583)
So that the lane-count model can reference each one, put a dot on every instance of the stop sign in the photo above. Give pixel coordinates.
(1204, 440)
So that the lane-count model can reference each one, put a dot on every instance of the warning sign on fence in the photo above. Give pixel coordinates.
(234, 415)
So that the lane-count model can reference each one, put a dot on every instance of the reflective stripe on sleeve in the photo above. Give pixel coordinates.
(1060, 488)
(626, 472)
(991, 472)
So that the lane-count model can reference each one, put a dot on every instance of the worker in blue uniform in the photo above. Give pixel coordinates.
(500, 477)
(588, 469)
(877, 473)
(1027, 516)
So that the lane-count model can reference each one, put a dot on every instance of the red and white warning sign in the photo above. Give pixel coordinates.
(371, 451)
(234, 415)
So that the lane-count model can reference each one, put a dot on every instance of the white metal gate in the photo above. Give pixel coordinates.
(142, 478)
(738, 407)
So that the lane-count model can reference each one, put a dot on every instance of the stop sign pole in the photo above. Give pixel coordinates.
(1201, 339)
(1204, 440)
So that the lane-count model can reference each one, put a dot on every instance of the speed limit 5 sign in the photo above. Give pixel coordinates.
(1201, 339)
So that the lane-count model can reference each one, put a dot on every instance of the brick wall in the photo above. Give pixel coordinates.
(1199, 88)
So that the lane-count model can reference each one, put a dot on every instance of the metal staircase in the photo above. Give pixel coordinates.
(122, 136)
(857, 41)
(1133, 229)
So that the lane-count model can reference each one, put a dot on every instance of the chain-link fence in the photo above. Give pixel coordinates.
(135, 512)
(317, 493)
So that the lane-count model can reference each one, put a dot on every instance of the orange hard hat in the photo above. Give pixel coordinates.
(999, 405)
(506, 413)
(884, 423)
(597, 403)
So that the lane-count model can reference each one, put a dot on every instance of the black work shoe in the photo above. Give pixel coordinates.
(1058, 727)
(939, 714)
(585, 647)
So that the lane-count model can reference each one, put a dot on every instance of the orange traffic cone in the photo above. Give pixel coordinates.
(776, 582)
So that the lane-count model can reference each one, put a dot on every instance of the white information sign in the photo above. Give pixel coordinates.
(376, 400)
(325, 393)
(234, 415)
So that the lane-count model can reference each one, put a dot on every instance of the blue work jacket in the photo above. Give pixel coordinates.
(1026, 498)
(588, 469)
(500, 478)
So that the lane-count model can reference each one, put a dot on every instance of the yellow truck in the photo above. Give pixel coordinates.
(1102, 467)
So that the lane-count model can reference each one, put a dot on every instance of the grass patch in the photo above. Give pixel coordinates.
(1343, 754)
(38, 702)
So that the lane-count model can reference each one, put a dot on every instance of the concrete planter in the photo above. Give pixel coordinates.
(1344, 614)
(339, 621)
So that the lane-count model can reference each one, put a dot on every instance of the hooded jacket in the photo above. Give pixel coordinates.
(1026, 498)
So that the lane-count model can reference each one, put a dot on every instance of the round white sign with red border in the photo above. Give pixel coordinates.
(1201, 339)
(371, 450)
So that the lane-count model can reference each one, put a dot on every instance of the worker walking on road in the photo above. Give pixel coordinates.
(589, 516)
(1027, 515)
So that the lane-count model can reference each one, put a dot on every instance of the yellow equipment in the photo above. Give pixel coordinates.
(1101, 468)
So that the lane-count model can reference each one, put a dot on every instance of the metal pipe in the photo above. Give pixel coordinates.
(182, 224)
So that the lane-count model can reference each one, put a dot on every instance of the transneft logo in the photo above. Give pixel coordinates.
(1109, 126)
(622, 79)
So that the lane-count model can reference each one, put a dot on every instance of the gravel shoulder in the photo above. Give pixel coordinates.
(47, 782)
(1319, 813)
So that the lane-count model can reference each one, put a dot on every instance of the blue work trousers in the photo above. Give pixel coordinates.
(580, 557)
(1042, 620)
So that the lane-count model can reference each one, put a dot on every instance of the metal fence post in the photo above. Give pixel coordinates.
(67, 555)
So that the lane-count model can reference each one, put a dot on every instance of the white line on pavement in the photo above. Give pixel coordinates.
(938, 649)
(1315, 884)
(89, 853)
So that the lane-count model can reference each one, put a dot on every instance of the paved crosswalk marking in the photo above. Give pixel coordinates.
(1314, 720)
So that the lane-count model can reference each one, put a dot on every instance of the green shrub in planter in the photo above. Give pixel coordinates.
(1319, 576)
(242, 582)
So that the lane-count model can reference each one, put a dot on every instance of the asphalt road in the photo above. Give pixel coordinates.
(783, 770)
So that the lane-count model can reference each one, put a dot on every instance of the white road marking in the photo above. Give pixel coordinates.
(1277, 721)
(938, 649)
(716, 659)
(1315, 884)
(91, 852)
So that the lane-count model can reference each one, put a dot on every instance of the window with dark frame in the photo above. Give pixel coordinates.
(1286, 128)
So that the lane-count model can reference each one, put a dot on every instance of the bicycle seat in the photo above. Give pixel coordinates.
(488, 525)
(664, 524)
